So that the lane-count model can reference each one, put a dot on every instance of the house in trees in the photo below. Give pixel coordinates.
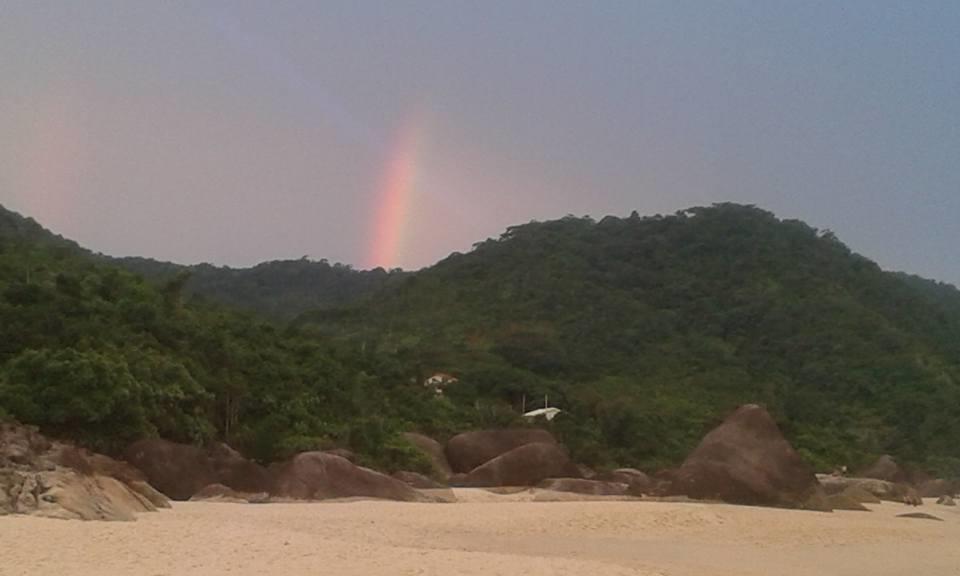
(439, 382)
(548, 413)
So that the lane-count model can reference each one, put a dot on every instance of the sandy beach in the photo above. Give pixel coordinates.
(488, 534)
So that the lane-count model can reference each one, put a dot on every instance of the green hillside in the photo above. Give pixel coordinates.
(93, 352)
(644, 331)
(647, 330)
(279, 290)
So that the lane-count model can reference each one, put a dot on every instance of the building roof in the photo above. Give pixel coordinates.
(548, 413)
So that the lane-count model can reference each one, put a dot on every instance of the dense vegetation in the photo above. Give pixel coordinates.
(645, 331)
(278, 290)
(93, 352)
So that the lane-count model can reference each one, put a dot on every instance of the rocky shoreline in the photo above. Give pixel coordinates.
(746, 460)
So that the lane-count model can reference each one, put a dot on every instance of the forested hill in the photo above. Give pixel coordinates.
(278, 290)
(92, 352)
(15, 228)
(647, 329)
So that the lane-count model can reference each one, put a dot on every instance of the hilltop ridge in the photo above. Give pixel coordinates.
(643, 330)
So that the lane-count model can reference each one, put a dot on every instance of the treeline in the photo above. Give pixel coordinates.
(647, 330)
(278, 291)
(92, 352)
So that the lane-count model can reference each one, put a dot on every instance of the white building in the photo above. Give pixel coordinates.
(439, 381)
(548, 413)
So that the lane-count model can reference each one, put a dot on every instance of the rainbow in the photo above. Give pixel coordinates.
(394, 197)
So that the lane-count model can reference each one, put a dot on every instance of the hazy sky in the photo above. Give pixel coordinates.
(235, 132)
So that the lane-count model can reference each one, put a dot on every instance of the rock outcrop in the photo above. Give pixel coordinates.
(182, 470)
(321, 476)
(469, 450)
(221, 493)
(57, 480)
(845, 501)
(882, 489)
(858, 494)
(418, 481)
(234, 471)
(746, 460)
(150, 493)
(637, 481)
(433, 450)
(583, 486)
(177, 470)
(936, 488)
(885, 468)
(946, 501)
(526, 465)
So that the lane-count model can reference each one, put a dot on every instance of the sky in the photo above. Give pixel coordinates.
(392, 133)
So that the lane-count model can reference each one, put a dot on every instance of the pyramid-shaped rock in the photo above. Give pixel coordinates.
(746, 460)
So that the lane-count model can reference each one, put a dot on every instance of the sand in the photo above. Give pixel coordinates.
(488, 534)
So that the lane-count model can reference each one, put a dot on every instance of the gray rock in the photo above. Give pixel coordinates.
(321, 476)
(639, 483)
(34, 482)
(946, 501)
(746, 460)
(471, 449)
(526, 465)
(177, 470)
(885, 468)
(882, 489)
(937, 487)
(583, 486)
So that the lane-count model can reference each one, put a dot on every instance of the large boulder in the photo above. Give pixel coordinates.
(911, 496)
(86, 462)
(92, 464)
(471, 449)
(433, 450)
(66, 494)
(583, 486)
(233, 470)
(946, 501)
(746, 460)
(937, 487)
(177, 470)
(320, 476)
(182, 470)
(526, 465)
(885, 468)
(57, 480)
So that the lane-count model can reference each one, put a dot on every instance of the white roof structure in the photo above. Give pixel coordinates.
(548, 413)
